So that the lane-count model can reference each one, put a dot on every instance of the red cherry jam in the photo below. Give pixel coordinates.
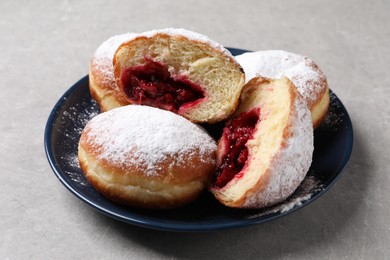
(236, 134)
(151, 84)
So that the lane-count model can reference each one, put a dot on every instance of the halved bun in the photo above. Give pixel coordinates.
(182, 59)
(278, 150)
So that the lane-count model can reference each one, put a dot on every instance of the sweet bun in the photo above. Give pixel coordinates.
(301, 70)
(180, 71)
(101, 74)
(146, 157)
(266, 147)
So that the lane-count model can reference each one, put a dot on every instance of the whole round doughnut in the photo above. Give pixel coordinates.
(146, 157)
(305, 74)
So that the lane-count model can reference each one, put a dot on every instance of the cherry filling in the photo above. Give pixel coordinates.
(151, 84)
(235, 135)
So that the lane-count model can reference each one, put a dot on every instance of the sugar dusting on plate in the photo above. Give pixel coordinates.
(309, 186)
(73, 123)
(334, 118)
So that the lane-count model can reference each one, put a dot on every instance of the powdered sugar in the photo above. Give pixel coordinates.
(73, 170)
(146, 136)
(302, 71)
(103, 57)
(79, 120)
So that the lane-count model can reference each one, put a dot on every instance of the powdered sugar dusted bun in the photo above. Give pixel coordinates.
(146, 157)
(266, 148)
(180, 71)
(301, 70)
(101, 74)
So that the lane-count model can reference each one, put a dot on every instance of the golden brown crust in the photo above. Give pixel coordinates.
(170, 188)
(126, 190)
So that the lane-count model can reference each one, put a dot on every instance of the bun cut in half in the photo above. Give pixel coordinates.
(180, 71)
(266, 147)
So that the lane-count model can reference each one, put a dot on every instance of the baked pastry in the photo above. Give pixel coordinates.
(101, 74)
(180, 71)
(146, 157)
(266, 147)
(302, 71)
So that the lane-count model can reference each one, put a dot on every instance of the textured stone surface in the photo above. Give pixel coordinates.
(45, 48)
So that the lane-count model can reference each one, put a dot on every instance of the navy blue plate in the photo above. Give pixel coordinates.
(332, 141)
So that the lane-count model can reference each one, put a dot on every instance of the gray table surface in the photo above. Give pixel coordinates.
(46, 47)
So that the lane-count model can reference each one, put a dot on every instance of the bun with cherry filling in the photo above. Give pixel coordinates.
(266, 147)
(180, 71)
